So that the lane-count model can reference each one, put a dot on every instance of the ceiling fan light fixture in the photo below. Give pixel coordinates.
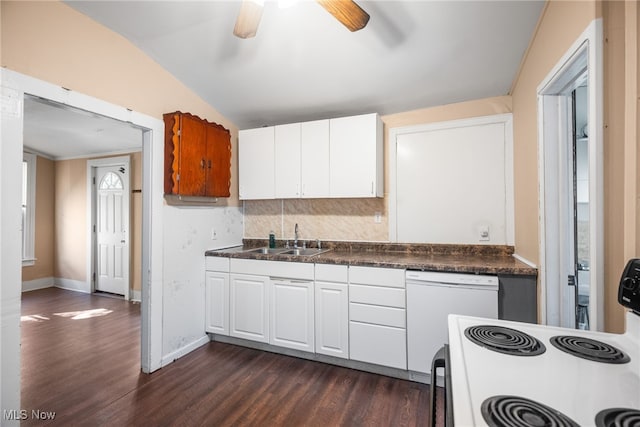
(248, 18)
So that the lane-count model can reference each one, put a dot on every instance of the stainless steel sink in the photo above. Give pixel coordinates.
(266, 251)
(304, 251)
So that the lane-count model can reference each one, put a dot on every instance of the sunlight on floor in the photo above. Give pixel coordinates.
(84, 314)
(33, 318)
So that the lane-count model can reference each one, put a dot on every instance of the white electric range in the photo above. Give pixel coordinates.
(503, 373)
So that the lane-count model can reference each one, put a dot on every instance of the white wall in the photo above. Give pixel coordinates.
(187, 235)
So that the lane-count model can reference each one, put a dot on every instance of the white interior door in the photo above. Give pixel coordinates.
(112, 229)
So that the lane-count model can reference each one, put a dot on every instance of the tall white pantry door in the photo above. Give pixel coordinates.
(112, 225)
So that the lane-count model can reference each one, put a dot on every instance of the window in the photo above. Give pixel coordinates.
(111, 181)
(28, 207)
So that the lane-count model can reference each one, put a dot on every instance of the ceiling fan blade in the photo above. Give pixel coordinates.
(347, 12)
(248, 19)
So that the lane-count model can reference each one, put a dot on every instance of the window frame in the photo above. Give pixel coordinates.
(28, 226)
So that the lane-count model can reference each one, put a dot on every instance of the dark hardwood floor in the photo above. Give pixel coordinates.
(87, 371)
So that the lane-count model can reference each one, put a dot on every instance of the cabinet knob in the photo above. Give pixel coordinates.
(202, 163)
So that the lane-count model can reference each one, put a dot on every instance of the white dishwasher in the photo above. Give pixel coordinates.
(431, 297)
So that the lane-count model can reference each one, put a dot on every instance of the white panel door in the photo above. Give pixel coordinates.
(287, 161)
(355, 156)
(112, 229)
(332, 319)
(292, 315)
(256, 166)
(314, 159)
(249, 307)
(217, 302)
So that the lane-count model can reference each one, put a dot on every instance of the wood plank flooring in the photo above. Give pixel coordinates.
(87, 371)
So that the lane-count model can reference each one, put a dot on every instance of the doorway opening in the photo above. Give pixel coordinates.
(571, 187)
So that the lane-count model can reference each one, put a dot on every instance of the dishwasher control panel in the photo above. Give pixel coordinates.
(453, 279)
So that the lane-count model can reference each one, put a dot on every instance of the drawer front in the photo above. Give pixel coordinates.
(257, 267)
(377, 295)
(377, 276)
(332, 273)
(381, 345)
(378, 315)
(216, 263)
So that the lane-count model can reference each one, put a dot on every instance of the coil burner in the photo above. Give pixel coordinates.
(618, 417)
(505, 340)
(589, 349)
(507, 411)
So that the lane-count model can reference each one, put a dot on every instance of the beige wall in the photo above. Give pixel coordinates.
(560, 25)
(44, 238)
(620, 149)
(71, 224)
(51, 41)
(353, 219)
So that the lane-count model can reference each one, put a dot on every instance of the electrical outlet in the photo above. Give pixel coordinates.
(483, 233)
(377, 217)
(214, 234)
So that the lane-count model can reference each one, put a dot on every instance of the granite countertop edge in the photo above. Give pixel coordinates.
(461, 259)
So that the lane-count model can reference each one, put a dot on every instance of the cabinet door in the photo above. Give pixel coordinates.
(332, 319)
(249, 307)
(356, 156)
(292, 314)
(218, 159)
(314, 159)
(287, 161)
(256, 163)
(191, 181)
(217, 302)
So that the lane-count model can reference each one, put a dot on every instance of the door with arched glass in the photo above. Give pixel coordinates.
(112, 227)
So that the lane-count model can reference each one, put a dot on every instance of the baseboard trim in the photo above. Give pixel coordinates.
(72, 285)
(35, 284)
(135, 295)
(175, 355)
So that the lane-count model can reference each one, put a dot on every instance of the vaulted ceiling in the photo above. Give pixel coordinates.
(304, 65)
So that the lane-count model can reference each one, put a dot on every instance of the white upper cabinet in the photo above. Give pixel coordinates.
(356, 156)
(314, 159)
(339, 158)
(287, 161)
(256, 152)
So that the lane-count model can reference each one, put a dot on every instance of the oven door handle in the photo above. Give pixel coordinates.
(439, 361)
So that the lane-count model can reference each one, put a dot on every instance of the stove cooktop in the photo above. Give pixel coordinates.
(505, 340)
(579, 387)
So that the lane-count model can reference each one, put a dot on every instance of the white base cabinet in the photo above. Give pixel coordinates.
(377, 316)
(332, 310)
(217, 295)
(292, 314)
(249, 307)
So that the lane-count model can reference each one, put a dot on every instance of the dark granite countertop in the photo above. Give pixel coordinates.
(479, 259)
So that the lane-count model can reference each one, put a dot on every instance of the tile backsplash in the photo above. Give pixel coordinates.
(324, 219)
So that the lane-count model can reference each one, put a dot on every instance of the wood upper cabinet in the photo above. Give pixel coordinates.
(197, 157)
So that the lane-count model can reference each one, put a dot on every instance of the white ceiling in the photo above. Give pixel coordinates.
(304, 65)
(61, 132)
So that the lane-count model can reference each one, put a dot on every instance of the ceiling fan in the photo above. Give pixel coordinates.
(347, 12)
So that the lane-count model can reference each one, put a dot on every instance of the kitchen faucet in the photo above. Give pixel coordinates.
(295, 240)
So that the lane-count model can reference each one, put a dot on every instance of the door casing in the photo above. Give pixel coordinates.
(585, 55)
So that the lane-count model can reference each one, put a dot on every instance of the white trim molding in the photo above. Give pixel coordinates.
(35, 284)
(177, 354)
(584, 56)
